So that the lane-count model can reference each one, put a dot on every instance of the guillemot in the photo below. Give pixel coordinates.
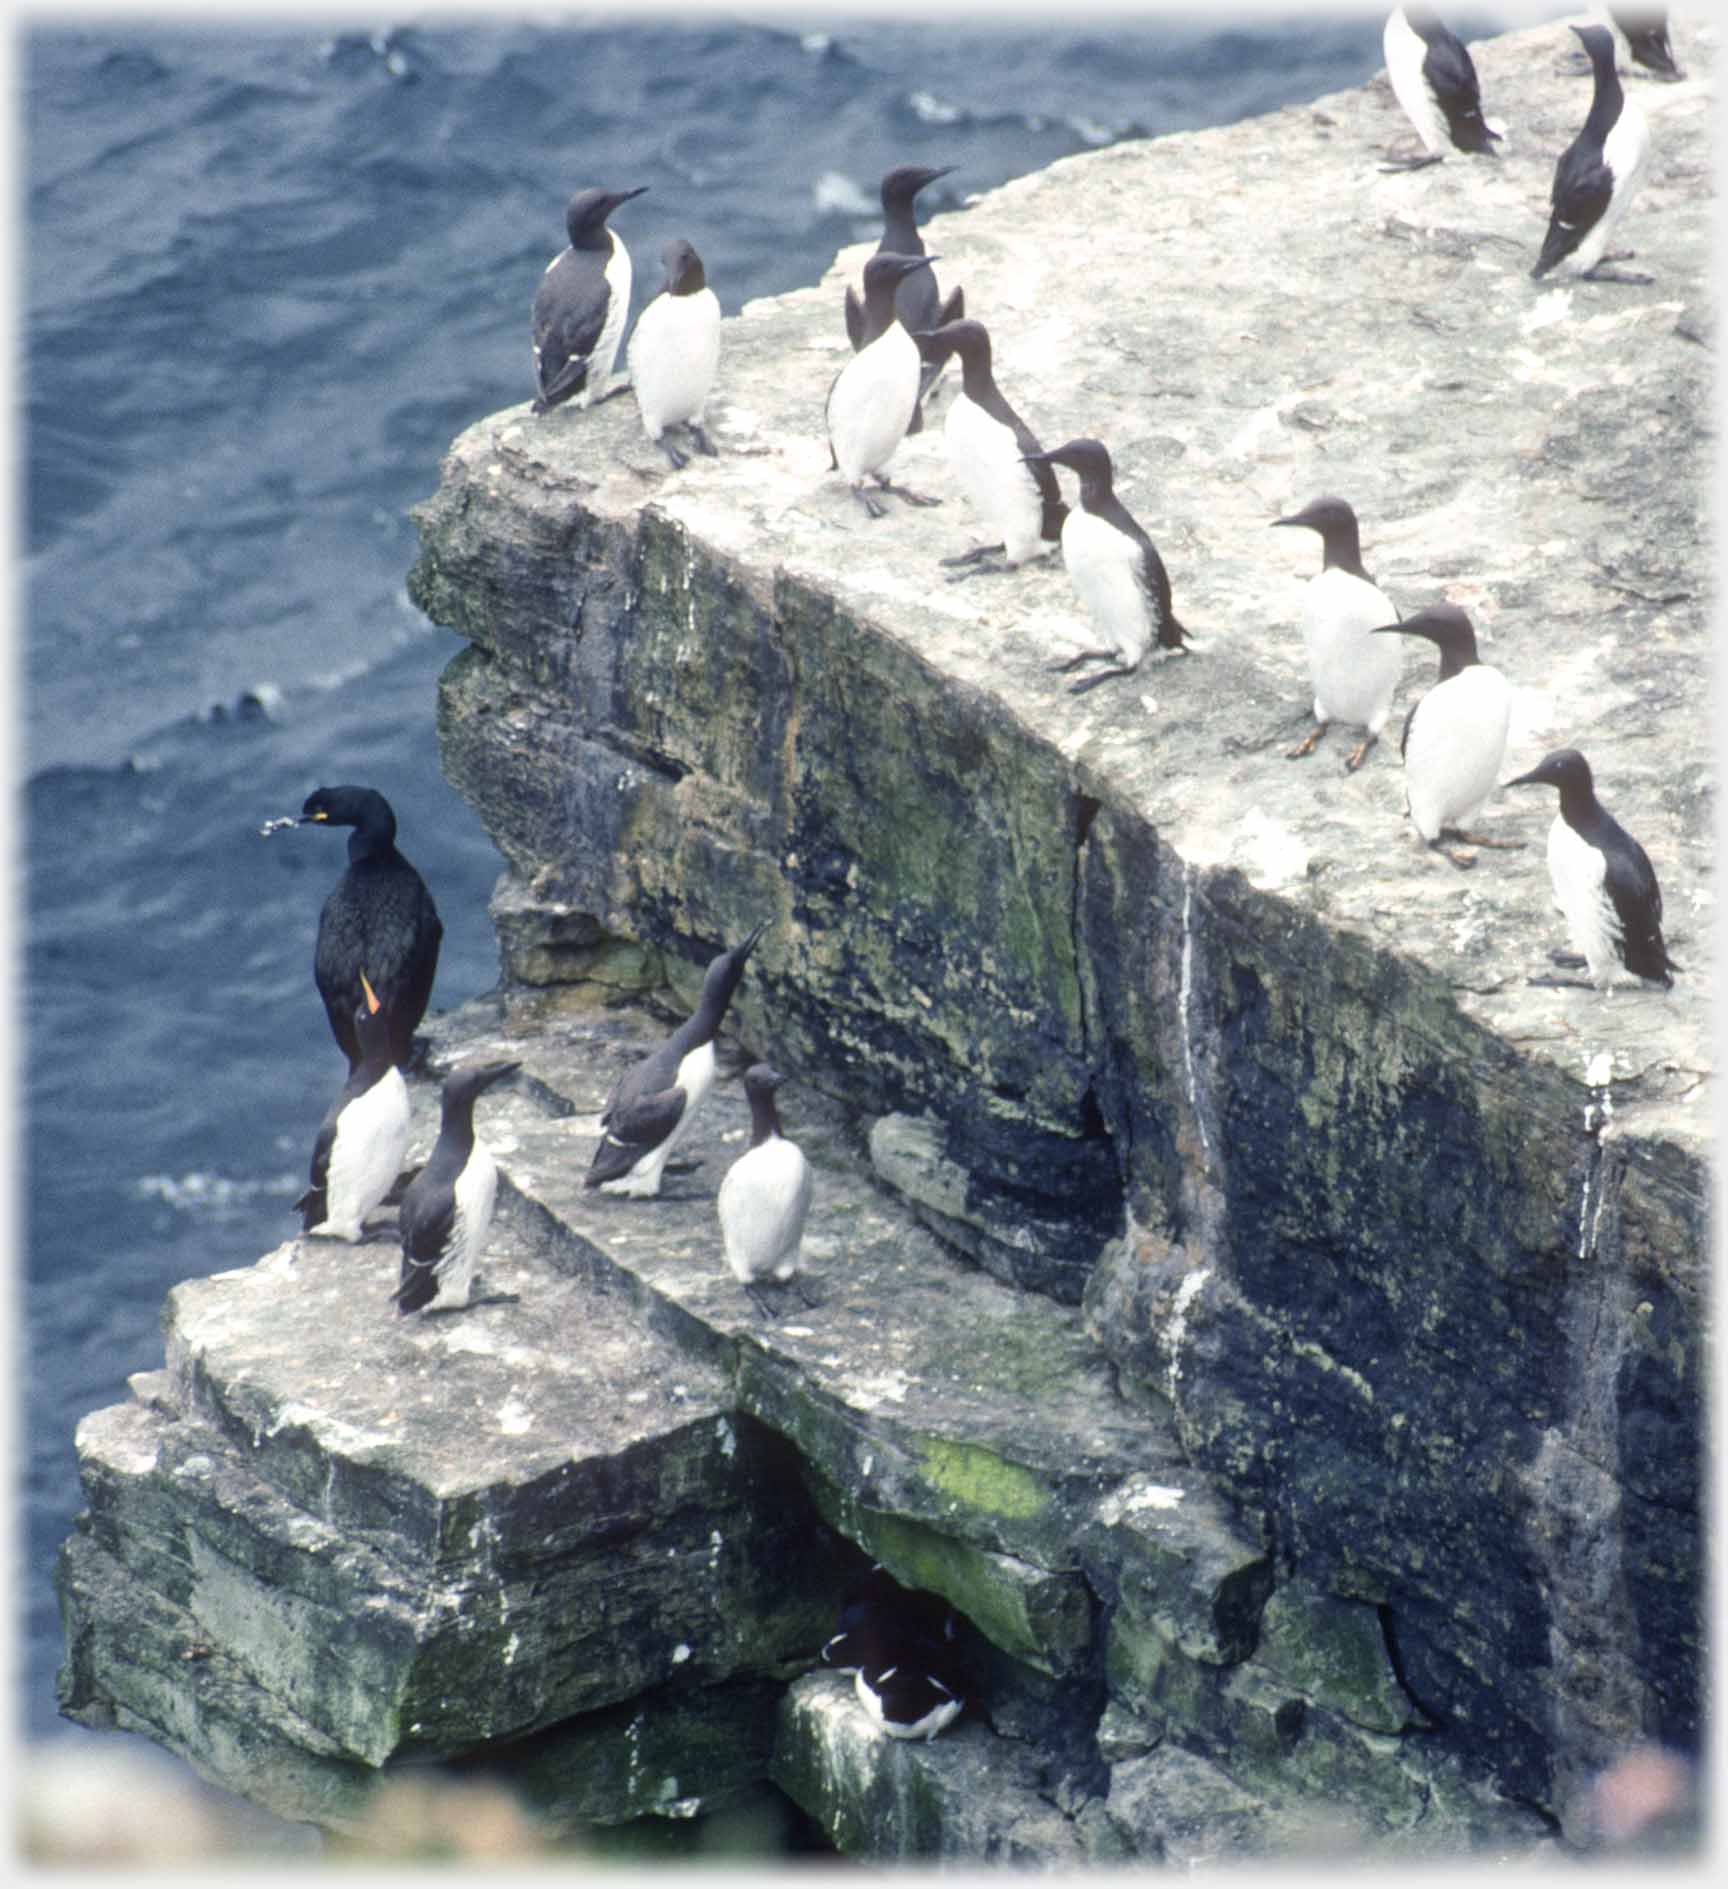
(1597, 174)
(1455, 735)
(581, 305)
(1114, 567)
(873, 395)
(764, 1200)
(1603, 881)
(446, 1209)
(675, 353)
(917, 300)
(653, 1104)
(1354, 676)
(379, 917)
(1434, 78)
(362, 1139)
(994, 455)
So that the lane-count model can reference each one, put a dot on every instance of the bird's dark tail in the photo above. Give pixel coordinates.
(313, 1206)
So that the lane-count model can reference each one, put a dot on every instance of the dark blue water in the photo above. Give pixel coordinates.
(269, 274)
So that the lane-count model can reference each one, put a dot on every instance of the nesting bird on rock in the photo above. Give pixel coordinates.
(1434, 79)
(1604, 884)
(1597, 174)
(446, 1209)
(1115, 570)
(379, 917)
(654, 1103)
(1354, 675)
(764, 1200)
(917, 300)
(902, 1647)
(362, 1140)
(581, 305)
(675, 353)
(1455, 736)
(873, 395)
(994, 455)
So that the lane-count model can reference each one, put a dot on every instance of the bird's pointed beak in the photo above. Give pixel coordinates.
(495, 1073)
(314, 819)
(1532, 779)
(1387, 629)
(750, 943)
(1286, 521)
(372, 1002)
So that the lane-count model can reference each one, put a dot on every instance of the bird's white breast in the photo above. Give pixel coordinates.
(1355, 675)
(1104, 566)
(674, 356)
(476, 1193)
(872, 401)
(366, 1157)
(763, 1203)
(985, 458)
(1578, 872)
(1405, 51)
(1457, 742)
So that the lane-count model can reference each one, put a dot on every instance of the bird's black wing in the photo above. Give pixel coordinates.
(1154, 579)
(1452, 79)
(1630, 882)
(426, 1221)
(313, 1206)
(634, 1128)
(380, 919)
(1583, 185)
(1404, 738)
(854, 320)
(569, 313)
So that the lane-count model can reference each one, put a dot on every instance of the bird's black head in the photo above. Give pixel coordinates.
(372, 1027)
(1322, 515)
(684, 273)
(726, 973)
(969, 339)
(1599, 44)
(462, 1086)
(903, 183)
(363, 807)
(761, 1079)
(1089, 458)
(1566, 769)
(1445, 626)
(885, 271)
(588, 211)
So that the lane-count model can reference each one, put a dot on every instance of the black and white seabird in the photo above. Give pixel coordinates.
(765, 1198)
(1455, 735)
(994, 455)
(1434, 79)
(379, 918)
(581, 305)
(1604, 884)
(675, 353)
(446, 1209)
(1646, 33)
(901, 1646)
(1115, 569)
(1597, 173)
(364, 1137)
(654, 1103)
(1354, 676)
(917, 301)
(873, 395)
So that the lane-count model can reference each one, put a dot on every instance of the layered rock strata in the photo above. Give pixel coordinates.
(1295, 1369)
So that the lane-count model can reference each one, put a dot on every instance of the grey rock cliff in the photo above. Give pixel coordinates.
(1276, 1325)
